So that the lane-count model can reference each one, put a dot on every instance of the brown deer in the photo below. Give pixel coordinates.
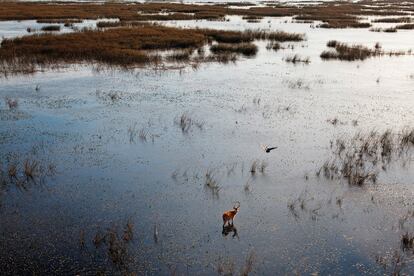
(229, 215)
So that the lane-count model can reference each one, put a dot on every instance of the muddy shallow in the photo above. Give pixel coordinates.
(83, 127)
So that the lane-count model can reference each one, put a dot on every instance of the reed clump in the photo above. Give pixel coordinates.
(122, 46)
(59, 21)
(51, 28)
(405, 27)
(129, 45)
(297, 59)
(246, 49)
(393, 20)
(343, 51)
(348, 52)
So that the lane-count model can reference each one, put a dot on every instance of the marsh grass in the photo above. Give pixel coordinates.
(132, 132)
(185, 122)
(407, 242)
(180, 56)
(393, 20)
(128, 232)
(51, 28)
(125, 46)
(297, 84)
(405, 27)
(297, 59)
(390, 30)
(343, 51)
(12, 171)
(115, 244)
(109, 24)
(333, 14)
(225, 267)
(275, 46)
(30, 168)
(12, 103)
(251, 35)
(59, 21)
(248, 264)
(130, 45)
(247, 187)
(360, 159)
(246, 49)
(211, 183)
(258, 166)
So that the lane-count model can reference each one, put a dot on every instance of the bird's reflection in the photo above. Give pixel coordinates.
(230, 228)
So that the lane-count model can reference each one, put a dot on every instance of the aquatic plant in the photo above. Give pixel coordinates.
(51, 28)
(246, 49)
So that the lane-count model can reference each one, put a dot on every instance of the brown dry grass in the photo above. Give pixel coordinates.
(335, 14)
(343, 51)
(359, 159)
(125, 46)
(121, 46)
(393, 20)
(405, 27)
(246, 49)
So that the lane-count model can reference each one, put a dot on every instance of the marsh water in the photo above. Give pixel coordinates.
(110, 151)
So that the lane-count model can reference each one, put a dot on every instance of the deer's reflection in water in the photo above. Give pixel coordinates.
(230, 228)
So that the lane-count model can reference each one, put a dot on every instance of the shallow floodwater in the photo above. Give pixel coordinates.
(118, 154)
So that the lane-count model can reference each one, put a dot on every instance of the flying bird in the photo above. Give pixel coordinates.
(268, 149)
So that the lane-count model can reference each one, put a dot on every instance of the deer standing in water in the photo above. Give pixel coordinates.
(229, 215)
